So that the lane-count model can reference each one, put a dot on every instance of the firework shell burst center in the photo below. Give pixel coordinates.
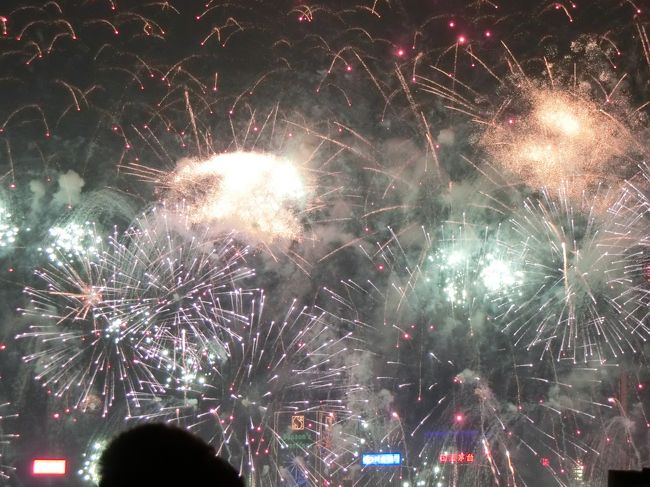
(258, 195)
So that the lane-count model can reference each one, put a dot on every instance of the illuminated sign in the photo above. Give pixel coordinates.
(49, 466)
(298, 440)
(297, 423)
(579, 472)
(381, 459)
(456, 458)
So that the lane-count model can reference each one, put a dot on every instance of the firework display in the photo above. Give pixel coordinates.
(268, 373)
(309, 232)
(117, 313)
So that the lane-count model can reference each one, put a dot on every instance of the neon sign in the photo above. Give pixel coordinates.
(381, 459)
(456, 458)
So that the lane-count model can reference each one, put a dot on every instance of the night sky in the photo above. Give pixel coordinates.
(422, 225)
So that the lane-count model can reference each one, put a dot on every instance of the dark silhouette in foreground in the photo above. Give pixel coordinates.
(157, 455)
(629, 478)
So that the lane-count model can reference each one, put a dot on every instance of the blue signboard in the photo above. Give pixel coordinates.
(381, 459)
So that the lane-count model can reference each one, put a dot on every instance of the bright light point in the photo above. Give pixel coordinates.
(488, 33)
(452, 24)
(400, 52)
(462, 40)
(459, 418)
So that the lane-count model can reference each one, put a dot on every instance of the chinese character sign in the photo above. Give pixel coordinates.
(456, 458)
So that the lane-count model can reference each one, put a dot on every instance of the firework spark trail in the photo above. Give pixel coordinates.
(150, 300)
(80, 348)
(583, 284)
(85, 350)
(174, 273)
(265, 372)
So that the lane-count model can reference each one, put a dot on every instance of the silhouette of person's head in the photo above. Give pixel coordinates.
(158, 455)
